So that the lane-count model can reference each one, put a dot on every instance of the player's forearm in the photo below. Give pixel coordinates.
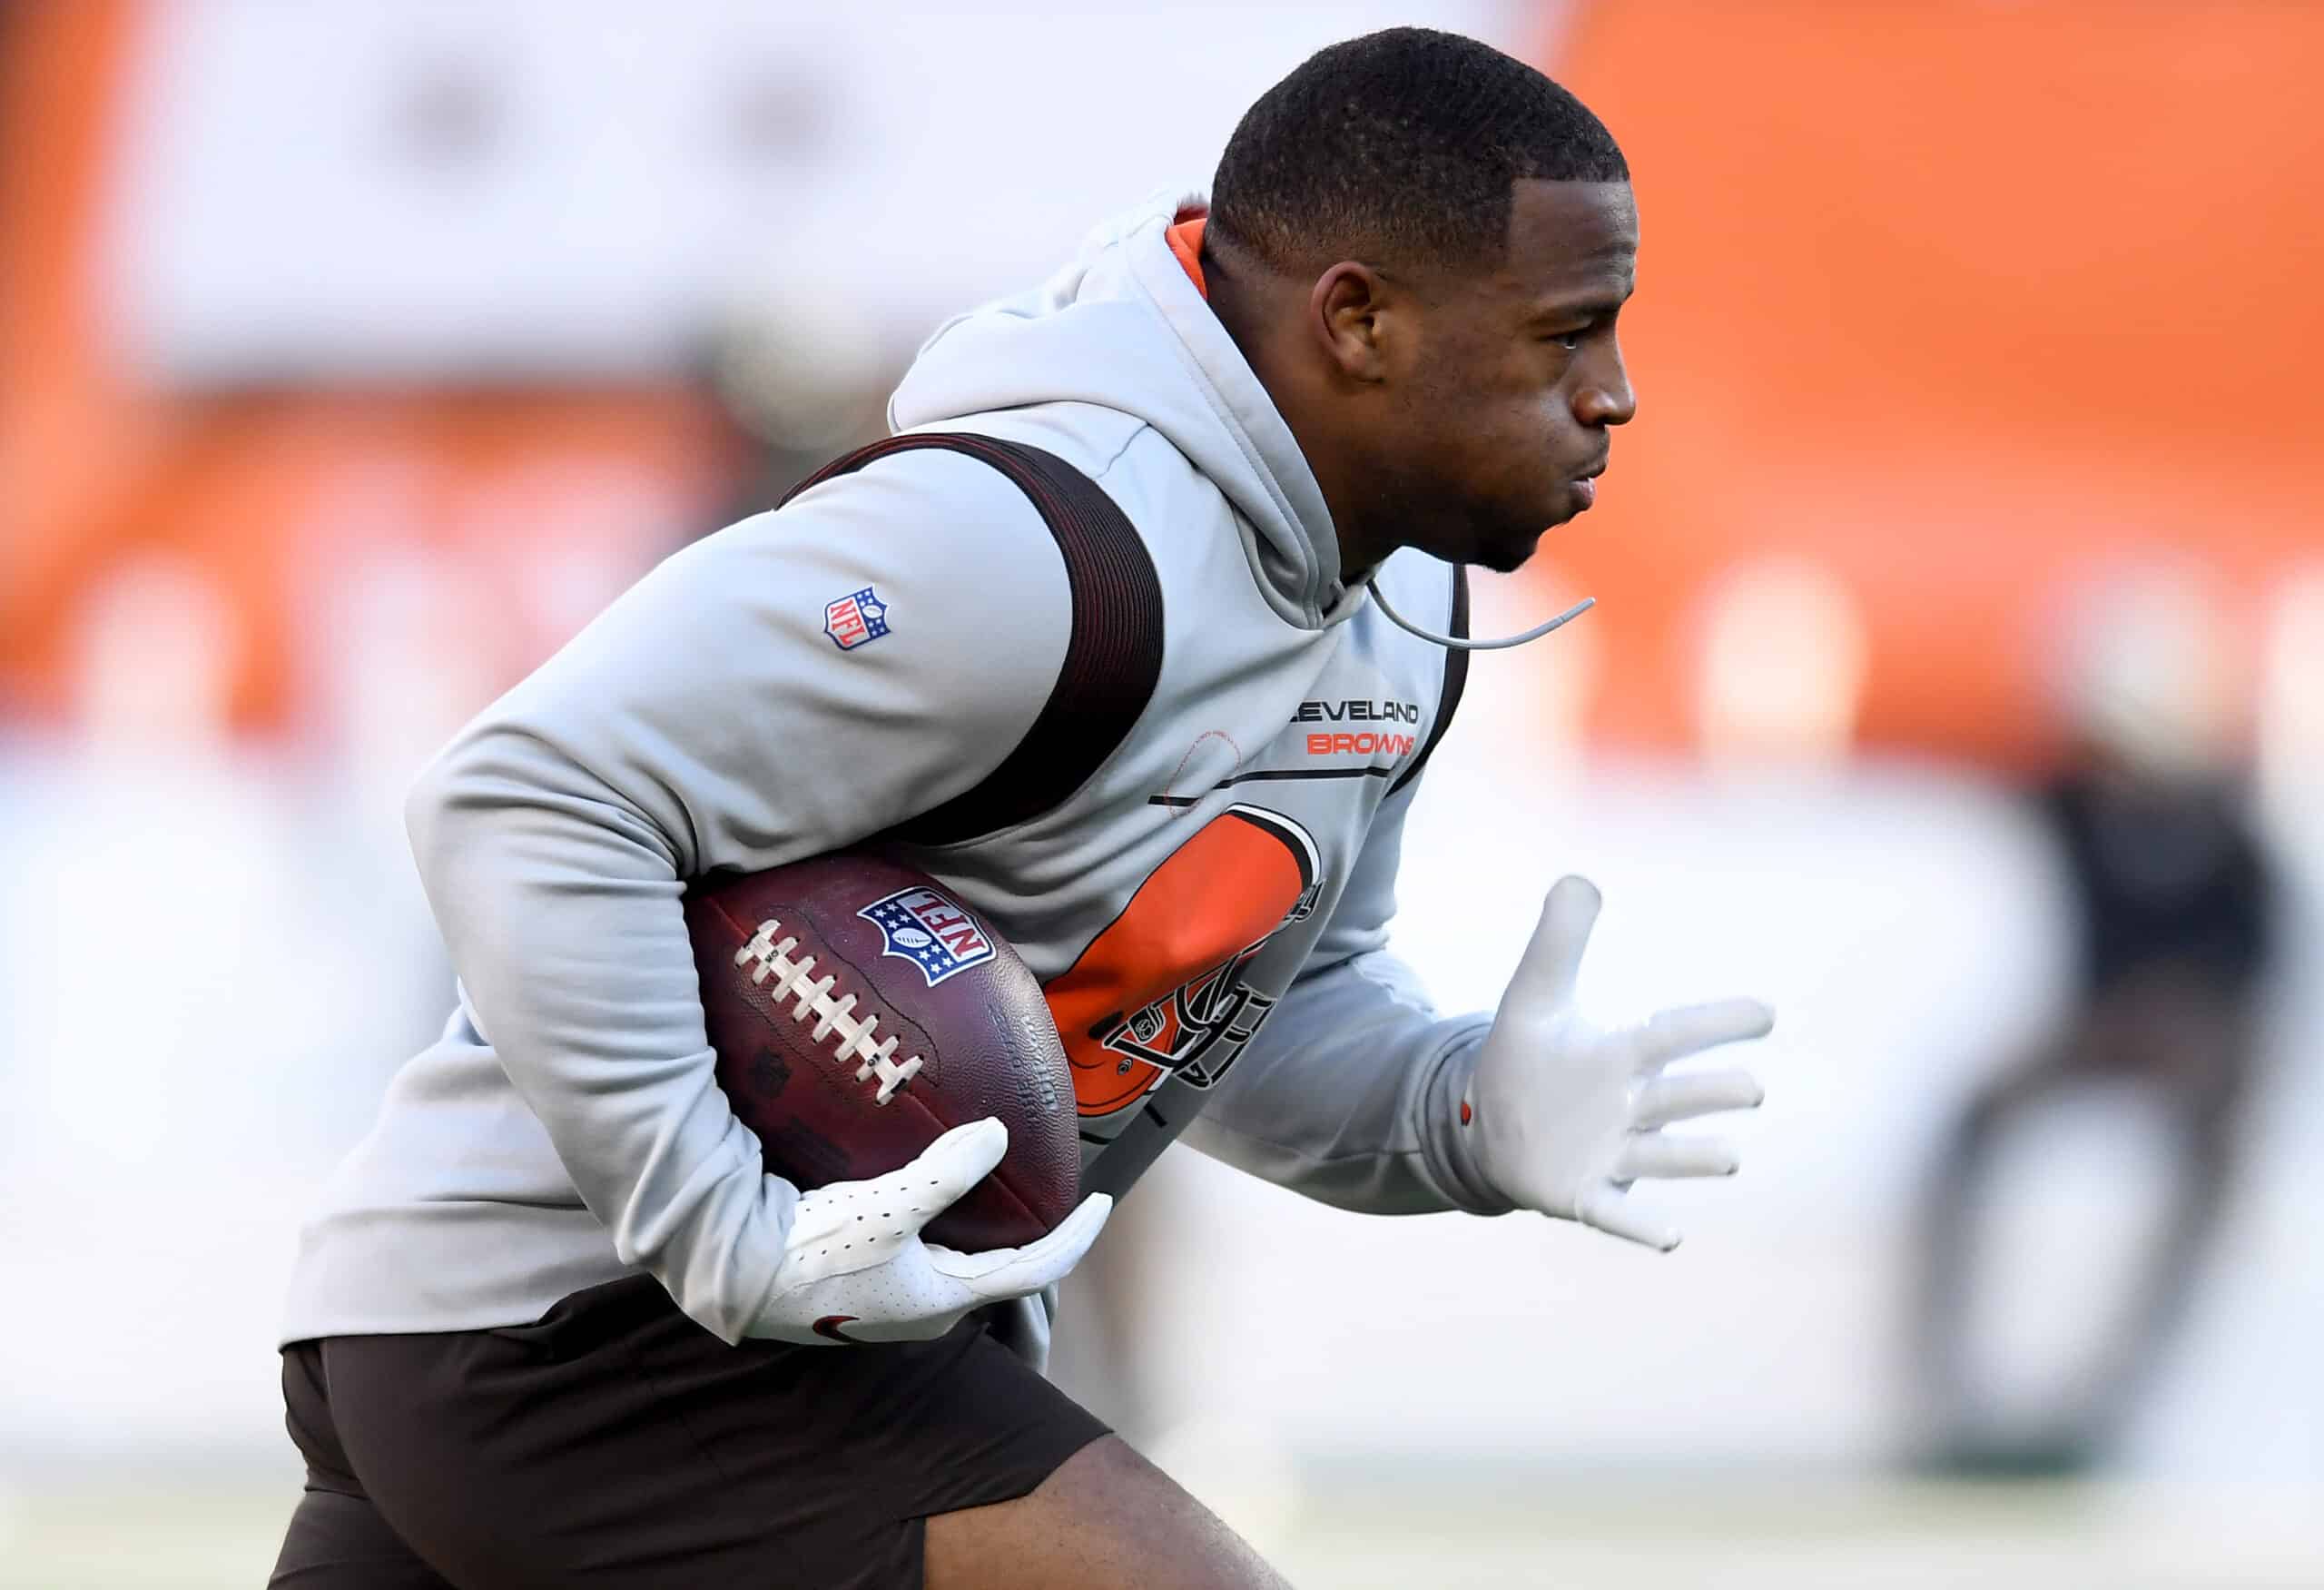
(559, 902)
(1348, 1093)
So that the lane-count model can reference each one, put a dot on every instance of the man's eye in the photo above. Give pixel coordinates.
(1569, 341)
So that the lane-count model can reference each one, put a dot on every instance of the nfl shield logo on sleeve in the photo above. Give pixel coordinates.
(923, 927)
(856, 620)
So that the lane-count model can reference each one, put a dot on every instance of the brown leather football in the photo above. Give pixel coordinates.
(859, 1011)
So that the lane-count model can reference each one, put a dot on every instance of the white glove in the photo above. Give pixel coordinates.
(854, 1269)
(1563, 1115)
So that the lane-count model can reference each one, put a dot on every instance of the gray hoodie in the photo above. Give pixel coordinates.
(1225, 877)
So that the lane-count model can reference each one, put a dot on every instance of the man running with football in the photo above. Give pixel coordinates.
(1136, 644)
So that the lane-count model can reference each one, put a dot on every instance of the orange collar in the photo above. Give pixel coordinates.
(1186, 241)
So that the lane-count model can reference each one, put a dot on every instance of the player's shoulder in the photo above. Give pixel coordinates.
(936, 502)
(1128, 458)
(920, 559)
(988, 503)
(1090, 439)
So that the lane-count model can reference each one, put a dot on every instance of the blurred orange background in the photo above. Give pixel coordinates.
(1944, 302)
(1965, 301)
(263, 491)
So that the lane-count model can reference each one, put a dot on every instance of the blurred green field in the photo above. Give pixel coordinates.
(1378, 1531)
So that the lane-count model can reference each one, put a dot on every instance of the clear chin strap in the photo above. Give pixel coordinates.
(1457, 643)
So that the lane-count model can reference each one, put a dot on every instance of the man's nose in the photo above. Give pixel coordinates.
(1607, 399)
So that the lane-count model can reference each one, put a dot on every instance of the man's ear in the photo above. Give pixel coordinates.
(1351, 313)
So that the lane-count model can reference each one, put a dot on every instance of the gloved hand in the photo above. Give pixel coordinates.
(854, 1269)
(1562, 1115)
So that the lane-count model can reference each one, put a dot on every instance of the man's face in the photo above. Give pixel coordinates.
(1509, 377)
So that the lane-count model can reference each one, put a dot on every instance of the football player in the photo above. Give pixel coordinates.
(1137, 637)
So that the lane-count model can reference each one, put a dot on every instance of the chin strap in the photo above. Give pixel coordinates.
(1455, 643)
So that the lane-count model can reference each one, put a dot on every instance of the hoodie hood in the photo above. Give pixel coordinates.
(1122, 326)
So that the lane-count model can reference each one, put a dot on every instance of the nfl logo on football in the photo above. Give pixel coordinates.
(923, 927)
(856, 620)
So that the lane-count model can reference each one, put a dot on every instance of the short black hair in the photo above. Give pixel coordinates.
(1401, 144)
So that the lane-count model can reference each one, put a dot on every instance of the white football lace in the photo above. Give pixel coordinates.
(769, 958)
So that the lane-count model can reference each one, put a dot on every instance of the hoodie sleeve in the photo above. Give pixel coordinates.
(1351, 1092)
(710, 719)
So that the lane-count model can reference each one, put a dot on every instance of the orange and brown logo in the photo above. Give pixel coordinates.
(1165, 990)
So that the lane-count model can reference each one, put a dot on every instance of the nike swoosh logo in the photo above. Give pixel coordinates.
(829, 1326)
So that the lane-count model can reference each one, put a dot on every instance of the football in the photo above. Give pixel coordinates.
(858, 1011)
